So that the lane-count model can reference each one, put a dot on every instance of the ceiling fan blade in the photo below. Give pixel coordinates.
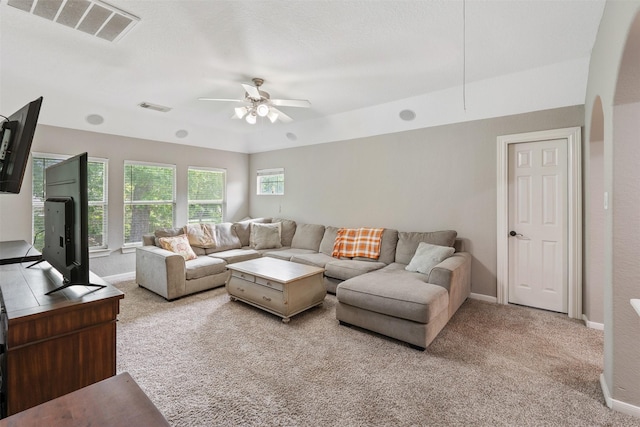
(303, 103)
(253, 92)
(221, 99)
(282, 116)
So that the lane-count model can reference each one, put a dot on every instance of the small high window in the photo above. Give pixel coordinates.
(270, 182)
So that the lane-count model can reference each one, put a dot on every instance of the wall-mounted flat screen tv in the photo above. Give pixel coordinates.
(16, 136)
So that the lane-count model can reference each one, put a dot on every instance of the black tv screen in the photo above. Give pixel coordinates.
(17, 136)
(66, 219)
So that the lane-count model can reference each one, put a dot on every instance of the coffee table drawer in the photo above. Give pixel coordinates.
(244, 276)
(258, 294)
(270, 283)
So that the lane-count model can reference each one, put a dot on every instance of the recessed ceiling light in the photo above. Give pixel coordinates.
(292, 136)
(182, 133)
(95, 119)
(407, 115)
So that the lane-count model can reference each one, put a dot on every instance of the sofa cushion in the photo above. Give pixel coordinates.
(388, 245)
(265, 236)
(243, 229)
(167, 232)
(178, 245)
(204, 266)
(308, 236)
(408, 242)
(288, 230)
(396, 293)
(328, 240)
(200, 235)
(316, 260)
(346, 269)
(236, 255)
(225, 236)
(428, 256)
(286, 254)
(199, 251)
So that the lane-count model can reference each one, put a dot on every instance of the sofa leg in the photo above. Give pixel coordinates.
(417, 347)
(348, 325)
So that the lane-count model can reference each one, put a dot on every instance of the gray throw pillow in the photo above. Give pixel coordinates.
(266, 236)
(428, 256)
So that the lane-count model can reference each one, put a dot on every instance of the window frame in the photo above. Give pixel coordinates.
(267, 173)
(126, 203)
(222, 202)
(93, 250)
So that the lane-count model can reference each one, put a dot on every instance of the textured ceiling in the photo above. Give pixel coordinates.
(351, 59)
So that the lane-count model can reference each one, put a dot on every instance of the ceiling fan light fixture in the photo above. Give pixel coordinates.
(273, 116)
(263, 110)
(240, 111)
(251, 118)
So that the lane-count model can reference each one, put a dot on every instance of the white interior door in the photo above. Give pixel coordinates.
(537, 180)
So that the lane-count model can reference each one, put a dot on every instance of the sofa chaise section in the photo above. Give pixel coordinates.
(408, 306)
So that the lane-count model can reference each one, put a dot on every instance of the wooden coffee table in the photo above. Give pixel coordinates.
(280, 287)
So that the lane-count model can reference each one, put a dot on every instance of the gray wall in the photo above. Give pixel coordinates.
(15, 210)
(613, 79)
(428, 179)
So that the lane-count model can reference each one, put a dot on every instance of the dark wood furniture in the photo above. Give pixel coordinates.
(16, 251)
(114, 402)
(53, 344)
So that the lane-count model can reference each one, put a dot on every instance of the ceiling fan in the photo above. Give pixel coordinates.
(259, 104)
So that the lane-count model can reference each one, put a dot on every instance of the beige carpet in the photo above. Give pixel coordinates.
(207, 361)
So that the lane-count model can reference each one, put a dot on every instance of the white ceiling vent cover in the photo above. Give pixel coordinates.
(90, 16)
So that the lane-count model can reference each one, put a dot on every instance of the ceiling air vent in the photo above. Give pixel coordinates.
(90, 16)
(156, 107)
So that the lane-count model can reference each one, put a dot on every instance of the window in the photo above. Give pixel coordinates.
(270, 181)
(97, 188)
(206, 195)
(149, 199)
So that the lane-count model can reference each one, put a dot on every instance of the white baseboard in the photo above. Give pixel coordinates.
(485, 298)
(120, 277)
(617, 405)
(592, 325)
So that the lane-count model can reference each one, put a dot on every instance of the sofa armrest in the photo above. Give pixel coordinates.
(454, 274)
(161, 271)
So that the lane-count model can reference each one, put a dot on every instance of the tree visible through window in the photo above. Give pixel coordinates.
(270, 181)
(149, 199)
(97, 191)
(206, 195)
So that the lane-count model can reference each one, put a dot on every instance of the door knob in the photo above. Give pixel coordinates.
(513, 234)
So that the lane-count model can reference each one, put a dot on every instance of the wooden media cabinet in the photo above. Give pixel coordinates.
(53, 344)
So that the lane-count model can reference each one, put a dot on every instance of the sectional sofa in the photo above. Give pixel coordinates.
(380, 295)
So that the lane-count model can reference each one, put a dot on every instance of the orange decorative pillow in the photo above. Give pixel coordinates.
(179, 245)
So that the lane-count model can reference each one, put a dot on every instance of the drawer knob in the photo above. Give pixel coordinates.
(266, 298)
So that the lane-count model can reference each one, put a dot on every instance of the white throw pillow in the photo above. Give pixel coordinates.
(428, 256)
(266, 236)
